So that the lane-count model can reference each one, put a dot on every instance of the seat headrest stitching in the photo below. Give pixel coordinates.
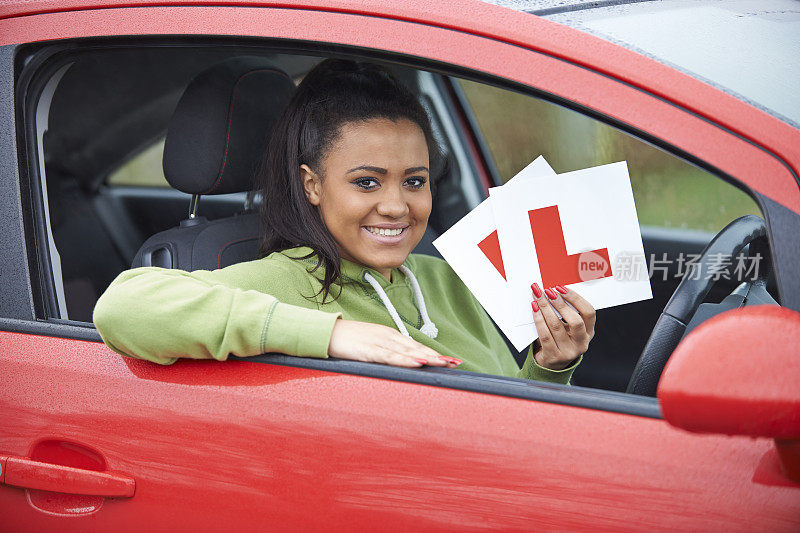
(222, 248)
(230, 121)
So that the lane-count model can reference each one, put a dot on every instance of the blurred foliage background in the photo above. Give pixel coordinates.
(142, 170)
(668, 191)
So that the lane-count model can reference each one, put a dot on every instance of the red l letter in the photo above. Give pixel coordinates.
(490, 246)
(556, 266)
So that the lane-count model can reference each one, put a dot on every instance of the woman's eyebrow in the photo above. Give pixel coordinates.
(415, 169)
(377, 170)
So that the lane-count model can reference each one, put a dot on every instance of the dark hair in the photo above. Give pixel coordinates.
(334, 93)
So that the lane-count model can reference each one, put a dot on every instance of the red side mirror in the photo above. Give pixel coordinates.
(739, 374)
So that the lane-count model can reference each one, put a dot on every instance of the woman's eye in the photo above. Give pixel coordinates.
(416, 183)
(367, 183)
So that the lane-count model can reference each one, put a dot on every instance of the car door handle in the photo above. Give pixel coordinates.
(29, 474)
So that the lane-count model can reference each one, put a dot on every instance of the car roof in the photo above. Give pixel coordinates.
(747, 48)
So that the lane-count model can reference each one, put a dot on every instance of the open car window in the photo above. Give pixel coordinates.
(106, 193)
(680, 208)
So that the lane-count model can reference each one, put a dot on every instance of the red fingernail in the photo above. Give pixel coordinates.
(421, 361)
(562, 289)
(536, 290)
(535, 306)
(550, 294)
(456, 361)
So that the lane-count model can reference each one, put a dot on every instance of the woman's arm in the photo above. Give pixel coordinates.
(160, 315)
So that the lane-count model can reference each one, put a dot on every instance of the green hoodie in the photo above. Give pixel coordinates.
(274, 304)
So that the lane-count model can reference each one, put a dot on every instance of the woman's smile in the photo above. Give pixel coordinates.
(373, 191)
(387, 234)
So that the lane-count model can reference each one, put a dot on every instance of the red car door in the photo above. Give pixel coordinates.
(91, 440)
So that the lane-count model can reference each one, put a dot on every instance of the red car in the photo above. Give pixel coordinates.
(90, 440)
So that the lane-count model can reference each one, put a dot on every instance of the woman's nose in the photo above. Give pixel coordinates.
(393, 204)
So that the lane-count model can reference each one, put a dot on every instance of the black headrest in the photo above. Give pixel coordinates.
(220, 127)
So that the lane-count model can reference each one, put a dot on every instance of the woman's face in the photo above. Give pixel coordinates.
(374, 191)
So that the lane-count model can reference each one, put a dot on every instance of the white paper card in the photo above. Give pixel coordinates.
(464, 246)
(579, 230)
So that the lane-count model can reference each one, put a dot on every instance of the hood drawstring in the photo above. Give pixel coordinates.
(428, 327)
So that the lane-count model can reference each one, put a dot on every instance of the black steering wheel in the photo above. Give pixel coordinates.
(691, 292)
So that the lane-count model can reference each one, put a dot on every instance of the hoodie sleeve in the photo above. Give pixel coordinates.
(161, 315)
(531, 370)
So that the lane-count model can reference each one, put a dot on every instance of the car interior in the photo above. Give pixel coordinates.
(105, 107)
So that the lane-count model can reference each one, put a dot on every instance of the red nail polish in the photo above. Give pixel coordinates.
(421, 361)
(535, 306)
(550, 294)
(536, 290)
(562, 289)
(456, 361)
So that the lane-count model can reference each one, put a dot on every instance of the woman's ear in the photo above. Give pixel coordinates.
(312, 185)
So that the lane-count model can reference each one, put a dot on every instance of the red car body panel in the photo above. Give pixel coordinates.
(242, 445)
(291, 448)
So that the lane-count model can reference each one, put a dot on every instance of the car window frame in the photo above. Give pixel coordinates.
(591, 398)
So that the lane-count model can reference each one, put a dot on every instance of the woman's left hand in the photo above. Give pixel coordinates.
(561, 342)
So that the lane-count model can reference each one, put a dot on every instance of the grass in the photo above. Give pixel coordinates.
(668, 191)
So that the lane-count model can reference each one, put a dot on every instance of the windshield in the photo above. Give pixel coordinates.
(750, 49)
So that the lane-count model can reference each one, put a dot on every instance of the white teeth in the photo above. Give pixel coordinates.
(385, 232)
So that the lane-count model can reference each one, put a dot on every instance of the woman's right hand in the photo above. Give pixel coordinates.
(374, 343)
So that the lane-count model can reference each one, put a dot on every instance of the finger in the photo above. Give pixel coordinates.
(554, 324)
(395, 358)
(418, 352)
(407, 359)
(583, 307)
(420, 348)
(441, 361)
(415, 349)
(576, 327)
(452, 362)
(429, 361)
(438, 360)
(545, 337)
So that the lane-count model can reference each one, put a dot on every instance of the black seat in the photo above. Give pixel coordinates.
(214, 144)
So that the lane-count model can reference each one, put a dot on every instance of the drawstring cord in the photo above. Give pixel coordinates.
(428, 327)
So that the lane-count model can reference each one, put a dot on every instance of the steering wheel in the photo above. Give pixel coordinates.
(691, 292)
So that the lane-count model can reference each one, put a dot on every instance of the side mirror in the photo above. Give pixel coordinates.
(739, 374)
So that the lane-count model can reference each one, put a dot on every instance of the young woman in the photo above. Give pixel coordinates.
(347, 195)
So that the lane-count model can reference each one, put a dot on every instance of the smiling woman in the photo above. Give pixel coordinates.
(347, 185)
(351, 153)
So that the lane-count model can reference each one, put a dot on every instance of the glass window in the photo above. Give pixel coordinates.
(142, 170)
(668, 191)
